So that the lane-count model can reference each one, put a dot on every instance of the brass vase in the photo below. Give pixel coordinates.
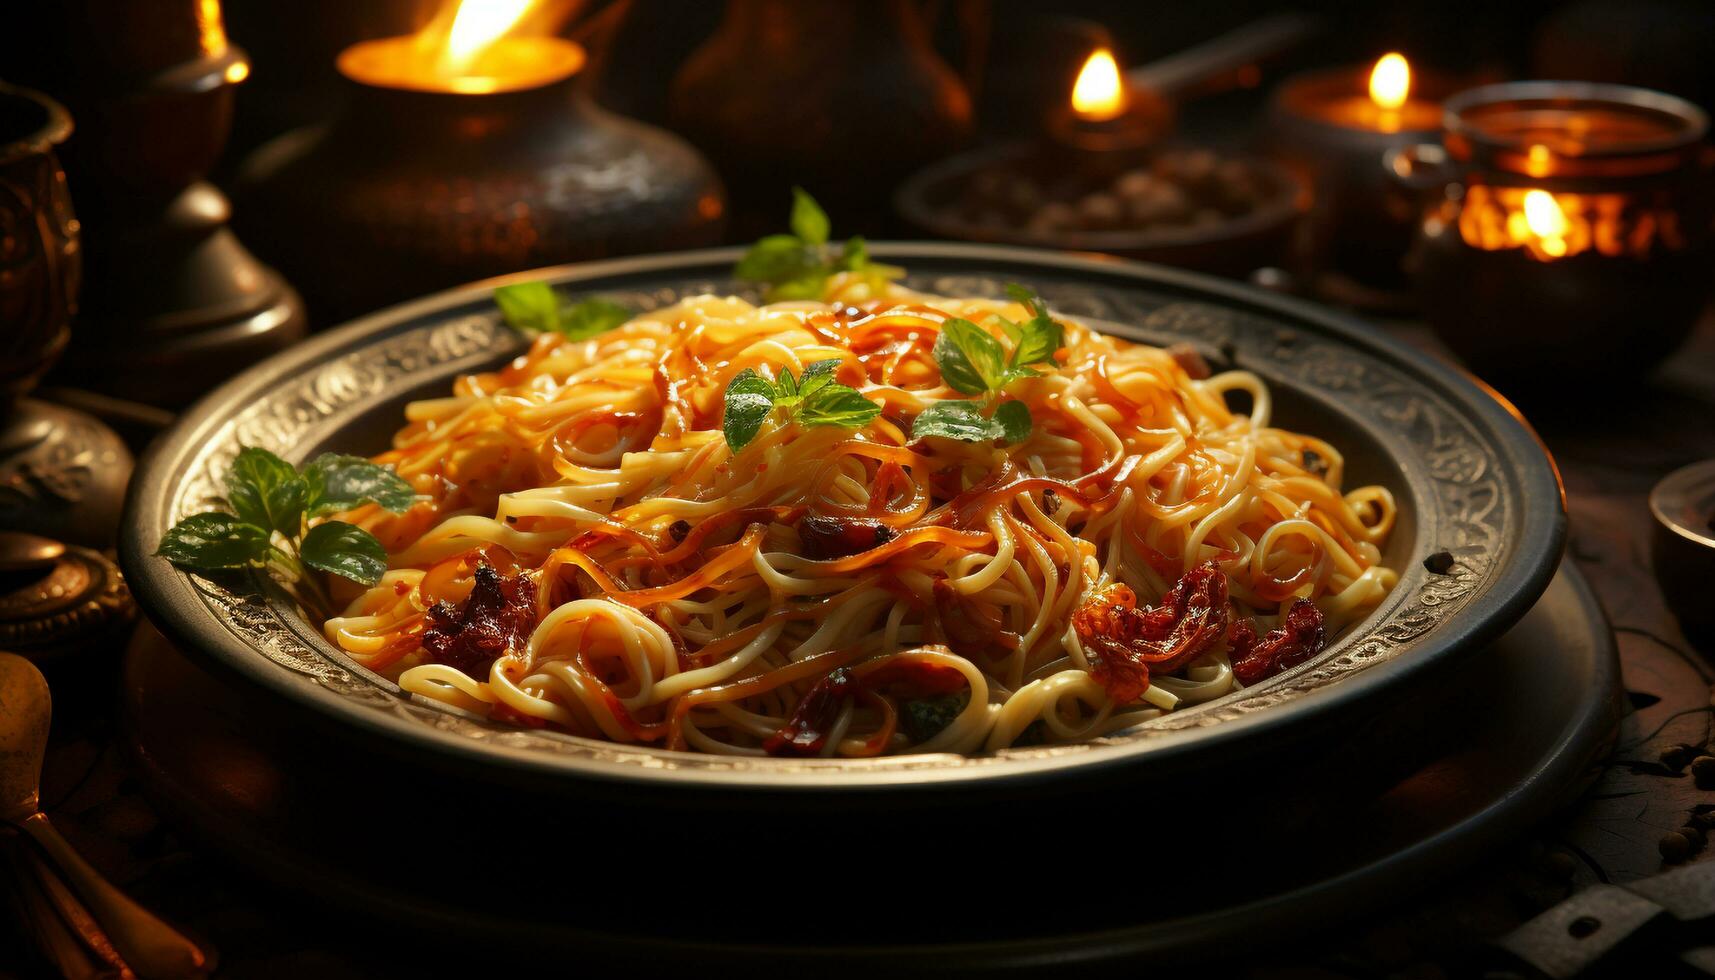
(62, 473)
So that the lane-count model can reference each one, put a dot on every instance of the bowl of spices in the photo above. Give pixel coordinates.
(1185, 206)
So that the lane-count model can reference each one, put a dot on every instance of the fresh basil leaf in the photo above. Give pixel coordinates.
(214, 540)
(1038, 338)
(592, 317)
(785, 387)
(1014, 420)
(749, 399)
(776, 258)
(266, 491)
(855, 256)
(961, 420)
(1026, 297)
(836, 404)
(971, 361)
(811, 285)
(530, 307)
(816, 375)
(339, 483)
(345, 550)
(809, 222)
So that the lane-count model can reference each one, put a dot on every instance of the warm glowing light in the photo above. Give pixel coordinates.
(211, 29)
(478, 24)
(1543, 216)
(1390, 81)
(237, 72)
(1099, 93)
(473, 47)
(1552, 225)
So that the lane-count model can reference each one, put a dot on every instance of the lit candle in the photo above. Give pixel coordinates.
(1105, 120)
(1336, 127)
(1099, 94)
(469, 49)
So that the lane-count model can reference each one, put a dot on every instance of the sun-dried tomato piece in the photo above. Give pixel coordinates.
(966, 627)
(1123, 643)
(1300, 636)
(823, 538)
(496, 618)
(806, 732)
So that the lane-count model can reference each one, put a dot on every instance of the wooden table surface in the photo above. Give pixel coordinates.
(1610, 455)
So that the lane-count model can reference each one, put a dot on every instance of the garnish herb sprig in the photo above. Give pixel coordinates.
(812, 400)
(269, 527)
(973, 362)
(534, 308)
(798, 265)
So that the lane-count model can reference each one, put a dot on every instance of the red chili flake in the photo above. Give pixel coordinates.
(1300, 636)
(967, 628)
(806, 732)
(496, 618)
(823, 538)
(1124, 643)
(678, 529)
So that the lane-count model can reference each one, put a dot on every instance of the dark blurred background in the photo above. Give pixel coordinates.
(1662, 44)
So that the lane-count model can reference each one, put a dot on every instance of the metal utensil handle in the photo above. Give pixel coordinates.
(150, 947)
(1177, 74)
(62, 930)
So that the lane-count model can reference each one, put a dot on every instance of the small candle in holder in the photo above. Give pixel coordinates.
(1106, 124)
(1336, 128)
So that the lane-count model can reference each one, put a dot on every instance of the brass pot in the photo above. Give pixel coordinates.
(412, 191)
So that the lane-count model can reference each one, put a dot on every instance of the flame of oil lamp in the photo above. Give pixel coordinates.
(1335, 128)
(1105, 123)
(1099, 94)
(1390, 88)
(471, 49)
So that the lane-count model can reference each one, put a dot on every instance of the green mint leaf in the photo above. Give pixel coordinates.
(809, 222)
(592, 317)
(836, 404)
(214, 540)
(775, 259)
(961, 420)
(266, 491)
(971, 361)
(339, 483)
(811, 285)
(1014, 420)
(529, 307)
(785, 387)
(855, 256)
(1038, 338)
(816, 375)
(749, 399)
(345, 550)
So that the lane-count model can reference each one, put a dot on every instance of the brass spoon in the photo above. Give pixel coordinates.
(150, 947)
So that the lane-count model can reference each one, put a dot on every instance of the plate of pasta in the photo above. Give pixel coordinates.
(821, 516)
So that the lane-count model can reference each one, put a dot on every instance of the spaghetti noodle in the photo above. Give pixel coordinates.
(587, 553)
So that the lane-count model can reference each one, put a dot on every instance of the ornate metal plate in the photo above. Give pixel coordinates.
(1470, 477)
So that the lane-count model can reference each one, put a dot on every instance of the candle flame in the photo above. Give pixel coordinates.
(1390, 81)
(476, 25)
(1542, 214)
(1099, 94)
